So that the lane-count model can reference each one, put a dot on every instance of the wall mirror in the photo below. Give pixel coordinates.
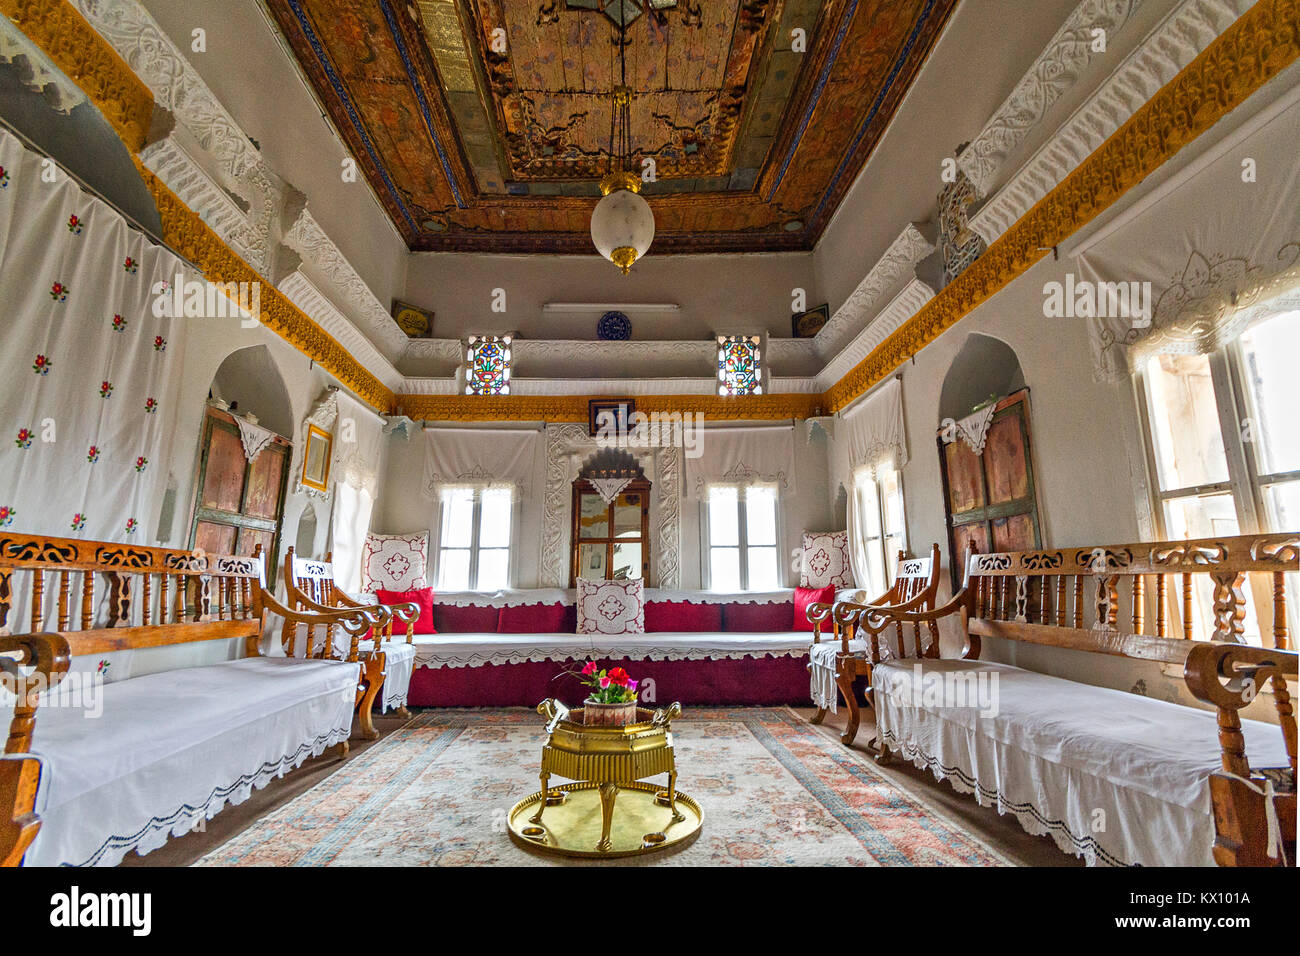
(316, 459)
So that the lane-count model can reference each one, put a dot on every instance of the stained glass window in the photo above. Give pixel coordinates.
(740, 367)
(487, 365)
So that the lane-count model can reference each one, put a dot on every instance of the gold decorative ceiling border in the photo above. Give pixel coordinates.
(1259, 45)
(1254, 49)
(127, 103)
(573, 408)
(88, 60)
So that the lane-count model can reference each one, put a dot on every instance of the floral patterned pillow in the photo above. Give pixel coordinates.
(825, 560)
(611, 607)
(394, 562)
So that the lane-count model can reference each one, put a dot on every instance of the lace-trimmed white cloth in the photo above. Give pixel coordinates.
(254, 438)
(520, 597)
(474, 650)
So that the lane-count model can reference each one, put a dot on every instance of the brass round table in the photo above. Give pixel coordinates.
(609, 765)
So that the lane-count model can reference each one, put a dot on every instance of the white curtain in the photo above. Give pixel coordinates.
(873, 435)
(481, 458)
(356, 454)
(352, 507)
(91, 376)
(1221, 251)
(741, 456)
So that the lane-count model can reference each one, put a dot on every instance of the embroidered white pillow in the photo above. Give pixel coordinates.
(611, 607)
(394, 562)
(825, 560)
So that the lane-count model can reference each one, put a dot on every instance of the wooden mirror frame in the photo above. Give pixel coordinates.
(316, 434)
(639, 486)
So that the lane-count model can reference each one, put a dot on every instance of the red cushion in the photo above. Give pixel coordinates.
(805, 596)
(756, 618)
(682, 616)
(465, 620)
(421, 596)
(533, 619)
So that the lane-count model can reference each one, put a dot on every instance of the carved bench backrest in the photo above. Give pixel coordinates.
(155, 596)
(915, 586)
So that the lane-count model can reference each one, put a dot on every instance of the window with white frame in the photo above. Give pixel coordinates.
(742, 534)
(474, 542)
(881, 526)
(1224, 446)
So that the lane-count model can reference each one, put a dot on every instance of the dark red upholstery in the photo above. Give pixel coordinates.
(449, 619)
(749, 680)
(757, 618)
(805, 596)
(420, 596)
(661, 616)
(535, 619)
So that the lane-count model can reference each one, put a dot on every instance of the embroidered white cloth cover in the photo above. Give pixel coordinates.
(1216, 260)
(611, 607)
(825, 560)
(484, 457)
(1057, 751)
(254, 438)
(91, 375)
(744, 455)
(519, 597)
(399, 665)
(474, 650)
(358, 446)
(394, 562)
(171, 749)
(873, 430)
(609, 488)
(973, 429)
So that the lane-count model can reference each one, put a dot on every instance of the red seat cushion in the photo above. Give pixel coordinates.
(758, 618)
(451, 619)
(663, 616)
(805, 596)
(533, 619)
(421, 596)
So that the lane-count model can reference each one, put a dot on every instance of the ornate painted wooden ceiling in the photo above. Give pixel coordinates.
(474, 149)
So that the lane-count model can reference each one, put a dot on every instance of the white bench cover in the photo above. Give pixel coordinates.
(473, 650)
(399, 665)
(171, 749)
(1112, 777)
(821, 669)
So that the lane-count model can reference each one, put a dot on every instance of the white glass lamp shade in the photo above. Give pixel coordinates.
(622, 227)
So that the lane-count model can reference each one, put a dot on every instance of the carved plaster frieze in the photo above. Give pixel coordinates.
(1055, 70)
(309, 240)
(566, 447)
(894, 267)
(303, 293)
(1191, 27)
(888, 320)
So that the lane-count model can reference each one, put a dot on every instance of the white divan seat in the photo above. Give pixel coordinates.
(399, 665)
(171, 749)
(1113, 777)
(475, 650)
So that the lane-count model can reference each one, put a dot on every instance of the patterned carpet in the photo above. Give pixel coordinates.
(774, 792)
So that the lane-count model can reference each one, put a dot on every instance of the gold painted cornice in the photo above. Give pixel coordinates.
(1258, 46)
(89, 61)
(573, 408)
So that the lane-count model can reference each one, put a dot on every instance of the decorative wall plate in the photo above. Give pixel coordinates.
(614, 327)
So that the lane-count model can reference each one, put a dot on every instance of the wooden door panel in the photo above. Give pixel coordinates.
(250, 538)
(215, 538)
(1014, 533)
(965, 535)
(264, 484)
(223, 483)
(965, 480)
(1005, 460)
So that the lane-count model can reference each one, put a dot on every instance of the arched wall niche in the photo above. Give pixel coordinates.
(251, 378)
(983, 367)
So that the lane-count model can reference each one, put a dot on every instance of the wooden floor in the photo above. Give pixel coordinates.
(1002, 831)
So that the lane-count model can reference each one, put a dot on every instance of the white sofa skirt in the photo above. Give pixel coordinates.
(1112, 777)
(399, 666)
(171, 749)
(473, 650)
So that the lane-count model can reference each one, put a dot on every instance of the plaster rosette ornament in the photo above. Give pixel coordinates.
(622, 225)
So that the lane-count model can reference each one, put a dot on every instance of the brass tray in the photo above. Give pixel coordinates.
(571, 825)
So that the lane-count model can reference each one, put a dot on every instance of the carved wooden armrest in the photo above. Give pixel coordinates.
(816, 613)
(354, 621)
(1229, 676)
(408, 612)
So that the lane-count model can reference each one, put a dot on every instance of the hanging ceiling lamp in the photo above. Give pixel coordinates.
(622, 225)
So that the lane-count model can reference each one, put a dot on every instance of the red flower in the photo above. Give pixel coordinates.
(619, 676)
(589, 669)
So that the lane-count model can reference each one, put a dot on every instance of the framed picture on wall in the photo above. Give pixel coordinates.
(602, 412)
(316, 459)
(416, 322)
(805, 325)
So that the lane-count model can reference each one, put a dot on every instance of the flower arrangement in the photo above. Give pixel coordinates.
(607, 687)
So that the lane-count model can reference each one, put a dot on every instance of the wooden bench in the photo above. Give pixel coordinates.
(106, 786)
(311, 587)
(915, 586)
(1117, 600)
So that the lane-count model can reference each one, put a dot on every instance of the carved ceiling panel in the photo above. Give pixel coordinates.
(483, 125)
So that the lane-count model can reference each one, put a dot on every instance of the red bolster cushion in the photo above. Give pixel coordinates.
(451, 619)
(533, 619)
(420, 596)
(758, 618)
(805, 596)
(684, 616)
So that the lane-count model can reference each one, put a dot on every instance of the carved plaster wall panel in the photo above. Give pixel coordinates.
(1055, 70)
(567, 446)
(902, 307)
(303, 293)
(1191, 27)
